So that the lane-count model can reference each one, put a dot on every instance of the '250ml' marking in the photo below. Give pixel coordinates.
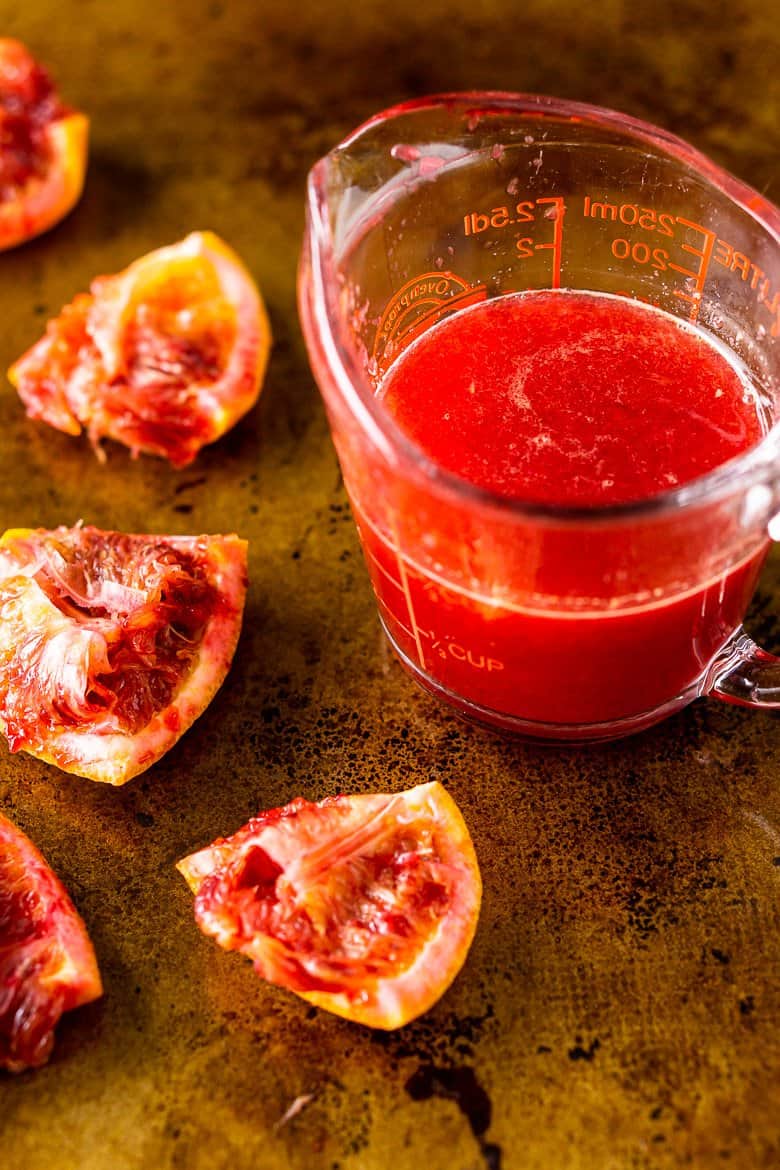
(714, 250)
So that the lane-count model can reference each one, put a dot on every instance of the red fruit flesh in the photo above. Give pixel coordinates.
(111, 645)
(163, 357)
(363, 905)
(28, 104)
(47, 964)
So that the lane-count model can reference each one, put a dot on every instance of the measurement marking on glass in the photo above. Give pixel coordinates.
(534, 603)
(556, 214)
(393, 617)
(700, 275)
(376, 561)
(444, 647)
(527, 211)
(407, 593)
(653, 251)
(661, 223)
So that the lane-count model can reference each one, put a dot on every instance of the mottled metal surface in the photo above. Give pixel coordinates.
(620, 1007)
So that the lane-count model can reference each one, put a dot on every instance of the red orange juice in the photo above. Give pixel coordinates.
(565, 400)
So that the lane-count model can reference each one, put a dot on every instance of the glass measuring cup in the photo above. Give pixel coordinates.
(561, 623)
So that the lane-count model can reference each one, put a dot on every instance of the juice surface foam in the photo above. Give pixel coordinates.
(571, 398)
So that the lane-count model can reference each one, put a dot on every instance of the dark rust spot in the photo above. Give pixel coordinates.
(461, 1086)
(580, 1053)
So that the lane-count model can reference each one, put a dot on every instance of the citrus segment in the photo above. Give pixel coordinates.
(164, 357)
(47, 964)
(363, 905)
(111, 645)
(43, 148)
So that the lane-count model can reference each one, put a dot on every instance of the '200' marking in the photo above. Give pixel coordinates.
(640, 253)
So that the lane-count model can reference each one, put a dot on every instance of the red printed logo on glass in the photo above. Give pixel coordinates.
(415, 307)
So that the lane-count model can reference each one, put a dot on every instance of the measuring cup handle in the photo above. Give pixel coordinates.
(746, 674)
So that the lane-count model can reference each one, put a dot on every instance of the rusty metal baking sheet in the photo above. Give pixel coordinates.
(620, 1007)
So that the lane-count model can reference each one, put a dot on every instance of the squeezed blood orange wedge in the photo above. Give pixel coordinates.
(47, 964)
(111, 645)
(43, 148)
(363, 905)
(164, 357)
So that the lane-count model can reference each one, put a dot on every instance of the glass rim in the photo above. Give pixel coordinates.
(760, 463)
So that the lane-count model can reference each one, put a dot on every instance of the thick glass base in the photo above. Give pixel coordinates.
(527, 729)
